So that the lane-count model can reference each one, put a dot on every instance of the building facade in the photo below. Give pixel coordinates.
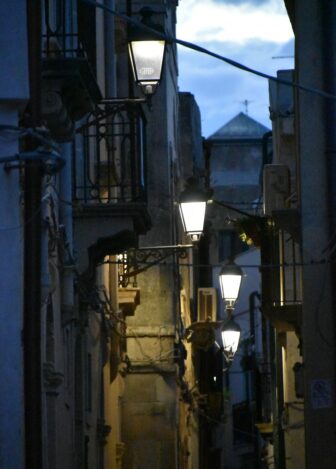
(94, 355)
(238, 151)
(298, 191)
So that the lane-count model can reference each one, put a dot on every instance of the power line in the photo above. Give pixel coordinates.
(22, 225)
(312, 263)
(202, 50)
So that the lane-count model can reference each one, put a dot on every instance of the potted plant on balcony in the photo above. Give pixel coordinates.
(251, 229)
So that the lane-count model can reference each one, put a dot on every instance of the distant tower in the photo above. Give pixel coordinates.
(236, 159)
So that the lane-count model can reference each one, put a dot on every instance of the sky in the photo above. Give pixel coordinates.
(255, 33)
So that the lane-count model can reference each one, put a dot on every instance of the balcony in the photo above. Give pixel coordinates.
(281, 280)
(109, 181)
(70, 88)
(284, 317)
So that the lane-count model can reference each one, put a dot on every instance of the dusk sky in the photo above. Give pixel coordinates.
(251, 32)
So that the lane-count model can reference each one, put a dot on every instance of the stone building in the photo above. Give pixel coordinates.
(92, 355)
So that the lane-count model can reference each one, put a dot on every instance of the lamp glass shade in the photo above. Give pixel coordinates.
(229, 280)
(230, 285)
(192, 215)
(230, 337)
(147, 58)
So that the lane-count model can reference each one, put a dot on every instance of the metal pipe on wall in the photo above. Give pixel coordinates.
(109, 49)
(32, 258)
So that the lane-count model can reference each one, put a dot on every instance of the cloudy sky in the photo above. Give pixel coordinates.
(253, 32)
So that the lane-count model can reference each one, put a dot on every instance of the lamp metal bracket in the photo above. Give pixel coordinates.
(137, 260)
(202, 333)
(109, 109)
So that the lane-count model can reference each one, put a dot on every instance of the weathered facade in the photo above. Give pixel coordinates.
(281, 281)
(298, 194)
(107, 354)
(92, 355)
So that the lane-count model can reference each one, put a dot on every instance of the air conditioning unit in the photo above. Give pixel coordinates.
(206, 304)
(276, 187)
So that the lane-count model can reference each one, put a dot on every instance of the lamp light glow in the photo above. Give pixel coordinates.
(192, 215)
(230, 338)
(230, 280)
(147, 60)
(146, 54)
(192, 210)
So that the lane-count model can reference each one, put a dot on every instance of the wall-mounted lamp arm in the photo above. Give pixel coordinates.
(234, 209)
(156, 253)
(137, 260)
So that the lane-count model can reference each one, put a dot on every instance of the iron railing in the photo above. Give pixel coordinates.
(109, 159)
(65, 33)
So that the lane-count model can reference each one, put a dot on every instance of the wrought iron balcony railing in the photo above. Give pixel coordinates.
(70, 87)
(109, 157)
(68, 31)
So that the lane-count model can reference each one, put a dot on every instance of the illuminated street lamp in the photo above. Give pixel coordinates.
(192, 206)
(230, 278)
(230, 338)
(192, 210)
(146, 53)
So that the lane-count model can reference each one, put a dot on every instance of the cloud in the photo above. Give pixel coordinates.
(219, 88)
(238, 22)
(238, 2)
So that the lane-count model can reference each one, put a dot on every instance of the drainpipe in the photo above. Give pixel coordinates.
(32, 258)
(254, 412)
(207, 148)
(270, 290)
(109, 51)
(266, 158)
(67, 219)
(129, 12)
(278, 400)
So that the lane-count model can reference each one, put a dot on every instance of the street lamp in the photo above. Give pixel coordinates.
(146, 53)
(192, 206)
(230, 278)
(230, 338)
(193, 202)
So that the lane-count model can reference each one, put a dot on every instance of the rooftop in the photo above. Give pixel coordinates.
(241, 126)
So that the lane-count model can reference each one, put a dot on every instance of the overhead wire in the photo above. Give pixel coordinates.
(44, 199)
(203, 50)
(313, 263)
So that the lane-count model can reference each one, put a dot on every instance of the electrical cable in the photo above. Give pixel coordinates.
(37, 133)
(218, 422)
(22, 225)
(312, 263)
(202, 50)
(63, 201)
